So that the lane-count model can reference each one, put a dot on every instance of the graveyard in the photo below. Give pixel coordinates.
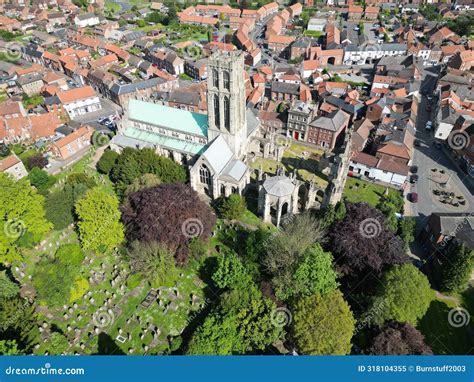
(116, 312)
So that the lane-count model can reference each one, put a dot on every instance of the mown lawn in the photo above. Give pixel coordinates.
(357, 190)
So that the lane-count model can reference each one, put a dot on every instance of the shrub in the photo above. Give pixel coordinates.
(80, 287)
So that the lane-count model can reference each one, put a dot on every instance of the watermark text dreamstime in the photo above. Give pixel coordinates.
(44, 370)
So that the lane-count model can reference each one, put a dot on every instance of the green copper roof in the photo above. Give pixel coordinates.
(168, 117)
(162, 141)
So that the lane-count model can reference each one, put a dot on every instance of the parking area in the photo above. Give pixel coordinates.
(108, 108)
(440, 185)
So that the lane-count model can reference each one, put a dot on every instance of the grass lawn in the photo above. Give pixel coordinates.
(443, 338)
(112, 7)
(149, 28)
(357, 190)
(314, 34)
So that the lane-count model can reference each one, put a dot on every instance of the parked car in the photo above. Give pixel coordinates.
(413, 197)
(414, 169)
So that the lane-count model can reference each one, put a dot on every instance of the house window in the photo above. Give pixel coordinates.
(226, 77)
(205, 175)
(215, 77)
(217, 115)
(226, 113)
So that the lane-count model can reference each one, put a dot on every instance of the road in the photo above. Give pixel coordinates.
(428, 157)
(257, 37)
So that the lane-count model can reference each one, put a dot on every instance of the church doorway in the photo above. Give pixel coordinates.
(273, 214)
(302, 198)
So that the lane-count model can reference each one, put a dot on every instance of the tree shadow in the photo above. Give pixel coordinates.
(107, 346)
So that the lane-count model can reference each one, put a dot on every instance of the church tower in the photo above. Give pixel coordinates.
(226, 100)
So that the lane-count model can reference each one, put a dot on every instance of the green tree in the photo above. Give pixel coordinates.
(153, 261)
(289, 251)
(53, 281)
(233, 207)
(79, 178)
(340, 211)
(21, 211)
(240, 324)
(406, 229)
(8, 288)
(133, 163)
(457, 269)
(9, 347)
(314, 273)
(389, 205)
(57, 344)
(144, 181)
(40, 179)
(107, 161)
(99, 223)
(70, 254)
(404, 296)
(18, 323)
(59, 205)
(322, 324)
(286, 247)
(230, 272)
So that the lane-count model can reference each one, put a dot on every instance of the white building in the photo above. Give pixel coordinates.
(86, 20)
(317, 25)
(13, 166)
(79, 101)
(377, 169)
(369, 52)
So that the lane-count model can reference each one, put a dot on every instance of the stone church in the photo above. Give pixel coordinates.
(214, 147)
(217, 147)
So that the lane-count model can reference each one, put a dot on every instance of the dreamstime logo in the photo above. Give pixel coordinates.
(370, 46)
(101, 138)
(192, 228)
(448, 238)
(458, 317)
(280, 138)
(370, 228)
(103, 318)
(194, 52)
(281, 317)
(14, 228)
(4, 151)
(13, 50)
(458, 140)
(368, 319)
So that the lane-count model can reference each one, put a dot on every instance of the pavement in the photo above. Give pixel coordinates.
(428, 157)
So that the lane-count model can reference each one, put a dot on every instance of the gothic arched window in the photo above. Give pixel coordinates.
(226, 78)
(217, 115)
(226, 113)
(205, 175)
(215, 78)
